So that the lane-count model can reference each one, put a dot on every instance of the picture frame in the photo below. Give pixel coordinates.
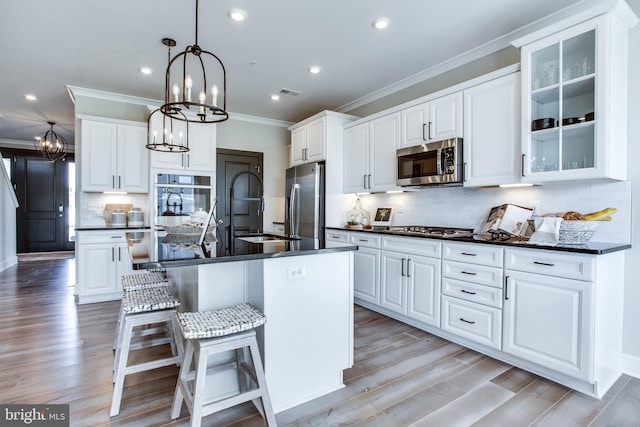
(382, 217)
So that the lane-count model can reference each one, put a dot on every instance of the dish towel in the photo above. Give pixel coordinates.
(547, 231)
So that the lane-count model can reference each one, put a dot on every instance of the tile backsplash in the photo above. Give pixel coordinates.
(469, 207)
(92, 206)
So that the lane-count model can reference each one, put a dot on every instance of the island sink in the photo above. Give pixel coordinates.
(265, 238)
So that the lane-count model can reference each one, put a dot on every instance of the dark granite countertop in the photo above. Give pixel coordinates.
(594, 248)
(157, 249)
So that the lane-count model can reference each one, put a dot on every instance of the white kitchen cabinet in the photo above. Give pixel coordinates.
(472, 291)
(435, 120)
(370, 155)
(491, 143)
(340, 236)
(113, 157)
(576, 79)
(102, 259)
(366, 259)
(201, 156)
(562, 313)
(308, 143)
(409, 280)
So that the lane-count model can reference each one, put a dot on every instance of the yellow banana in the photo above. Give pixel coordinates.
(603, 215)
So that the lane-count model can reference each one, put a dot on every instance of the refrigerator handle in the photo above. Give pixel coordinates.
(292, 209)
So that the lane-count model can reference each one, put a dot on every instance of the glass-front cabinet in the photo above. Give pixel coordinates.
(573, 97)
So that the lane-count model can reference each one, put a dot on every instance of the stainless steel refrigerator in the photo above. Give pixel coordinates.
(304, 201)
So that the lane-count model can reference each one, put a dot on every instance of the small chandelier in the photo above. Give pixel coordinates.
(188, 88)
(168, 140)
(51, 145)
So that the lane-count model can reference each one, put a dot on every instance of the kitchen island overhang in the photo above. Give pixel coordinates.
(303, 286)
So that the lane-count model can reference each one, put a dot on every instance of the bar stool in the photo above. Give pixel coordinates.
(148, 279)
(211, 332)
(144, 307)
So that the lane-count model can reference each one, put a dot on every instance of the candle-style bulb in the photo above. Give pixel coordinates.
(176, 92)
(214, 92)
(202, 97)
(188, 84)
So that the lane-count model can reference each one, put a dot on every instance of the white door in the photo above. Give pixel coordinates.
(356, 158)
(423, 295)
(315, 141)
(385, 139)
(414, 125)
(202, 148)
(133, 159)
(298, 145)
(366, 280)
(97, 268)
(99, 156)
(492, 132)
(547, 320)
(393, 271)
(178, 129)
(445, 117)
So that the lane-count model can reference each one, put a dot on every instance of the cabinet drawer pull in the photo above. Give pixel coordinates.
(119, 182)
(362, 240)
(113, 254)
(522, 165)
(464, 291)
(113, 182)
(506, 288)
(429, 130)
(408, 267)
(469, 273)
(402, 268)
(424, 125)
(468, 254)
(467, 321)
(364, 181)
(548, 264)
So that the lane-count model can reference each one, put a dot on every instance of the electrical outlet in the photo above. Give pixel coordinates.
(95, 206)
(535, 204)
(296, 272)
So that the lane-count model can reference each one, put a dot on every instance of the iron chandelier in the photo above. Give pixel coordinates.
(51, 145)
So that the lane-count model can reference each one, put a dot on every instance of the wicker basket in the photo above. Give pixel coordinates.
(577, 232)
(186, 229)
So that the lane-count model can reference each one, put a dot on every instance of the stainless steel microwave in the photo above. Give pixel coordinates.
(435, 163)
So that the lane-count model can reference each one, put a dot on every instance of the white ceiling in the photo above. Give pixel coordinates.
(46, 45)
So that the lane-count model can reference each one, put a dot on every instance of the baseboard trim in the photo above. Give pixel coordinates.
(631, 365)
(8, 262)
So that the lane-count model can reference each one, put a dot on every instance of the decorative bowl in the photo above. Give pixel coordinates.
(577, 232)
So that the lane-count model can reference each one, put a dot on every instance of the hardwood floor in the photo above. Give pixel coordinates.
(55, 351)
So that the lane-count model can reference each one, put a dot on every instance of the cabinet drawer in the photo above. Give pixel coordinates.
(337, 236)
(412, 245)
(472, 292)
(368, 240)
(551, 263)
(475, 322)
(101, 237)
(490, 276)
(473, 253)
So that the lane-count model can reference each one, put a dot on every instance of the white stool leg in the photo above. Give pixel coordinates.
(185, 367)
(122, 355)
(198, 385)
(262, 383)
(116, 338)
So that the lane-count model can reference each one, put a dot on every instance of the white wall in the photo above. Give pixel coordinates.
(272, 142)
(8, 205)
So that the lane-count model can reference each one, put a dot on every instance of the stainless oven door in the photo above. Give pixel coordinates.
(434, 163)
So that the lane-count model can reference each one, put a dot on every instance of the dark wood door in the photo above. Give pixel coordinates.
(42, 189)
(245, 213)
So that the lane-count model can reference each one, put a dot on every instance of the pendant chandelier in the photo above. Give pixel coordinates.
(169, 139)
(51, 145)
(188, 88)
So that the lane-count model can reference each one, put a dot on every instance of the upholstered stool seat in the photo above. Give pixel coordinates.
(145, 307)
(216, 331)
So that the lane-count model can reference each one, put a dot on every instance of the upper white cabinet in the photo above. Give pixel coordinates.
(308, 143)
(574, 96)
(435, 120)
(201, 156)
(491, 143)
(370, 155)
(114, 157)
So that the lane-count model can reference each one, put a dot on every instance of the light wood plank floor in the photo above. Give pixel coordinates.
(54, 351)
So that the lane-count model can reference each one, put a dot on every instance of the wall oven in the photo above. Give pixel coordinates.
(436, 163)
(178, 196)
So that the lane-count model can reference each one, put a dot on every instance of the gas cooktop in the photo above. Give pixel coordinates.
(423, 230)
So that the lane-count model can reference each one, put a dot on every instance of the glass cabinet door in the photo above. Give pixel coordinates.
(562, 93)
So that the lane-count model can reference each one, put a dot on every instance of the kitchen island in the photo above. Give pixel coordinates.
(303, 286)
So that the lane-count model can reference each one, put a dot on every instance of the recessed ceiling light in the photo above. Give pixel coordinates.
(145, 70)
(314, 69)
(30, 97)
(237, 14)
(380, 23)
(275, 97)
